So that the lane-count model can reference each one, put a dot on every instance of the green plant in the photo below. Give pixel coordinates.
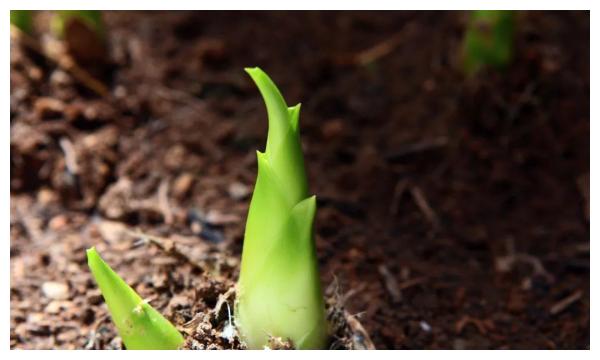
(488, 40)
(140, 326)
(279, 291)
(22, 20)
(92, 19)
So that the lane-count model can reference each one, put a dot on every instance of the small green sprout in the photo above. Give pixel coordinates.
(22, 20)
(140, 326)
(84, 35)
(92, 19)
(279, 290)
(488, 40)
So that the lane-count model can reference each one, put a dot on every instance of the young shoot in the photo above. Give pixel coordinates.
(84, 34)
(140, 326)
(22, 20)
(91, 19)
(488, 40)
(279, 291)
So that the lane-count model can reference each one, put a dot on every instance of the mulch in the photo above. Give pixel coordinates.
(453, 212)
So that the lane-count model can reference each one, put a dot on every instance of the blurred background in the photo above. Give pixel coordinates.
(449, 152)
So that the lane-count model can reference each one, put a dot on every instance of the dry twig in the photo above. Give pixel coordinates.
(566, 302)
(163, 202)
(424, 206)
(399, 190)
(62, 60)
(30, 223)
(70, 156)
(418, 147)
(506, 263)
(411, 282)
(391, 284)
(166, 245)
(383, 48)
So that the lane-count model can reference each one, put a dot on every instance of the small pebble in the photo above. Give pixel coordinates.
(58, 222)
(60, 78)
(46, 196)
(120, 92)
(56, 306)
(35, 73)
(112, 231)
(238, 191)
(55, 290)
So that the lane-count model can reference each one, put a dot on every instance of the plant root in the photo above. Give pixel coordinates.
(347, 332)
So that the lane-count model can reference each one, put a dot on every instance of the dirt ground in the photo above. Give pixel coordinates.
(452, 213)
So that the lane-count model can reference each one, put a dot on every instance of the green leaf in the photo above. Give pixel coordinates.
(488, 40)
(140, 326)
(91, 18)
(279, 291)
(22, 20)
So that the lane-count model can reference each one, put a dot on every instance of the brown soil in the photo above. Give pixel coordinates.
(453, 213)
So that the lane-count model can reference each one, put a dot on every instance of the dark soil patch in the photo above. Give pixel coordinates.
(453, 213)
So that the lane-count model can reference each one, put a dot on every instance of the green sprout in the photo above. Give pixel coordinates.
(22, 20)
(140, 326)
(92, 19)
(279, 290)
(488, 40)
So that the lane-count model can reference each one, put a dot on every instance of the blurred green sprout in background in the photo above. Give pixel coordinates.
(92, 19)
(488, 40)
(22, 20)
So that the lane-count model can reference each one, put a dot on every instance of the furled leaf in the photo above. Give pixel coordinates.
(279, 291)
(140, 326)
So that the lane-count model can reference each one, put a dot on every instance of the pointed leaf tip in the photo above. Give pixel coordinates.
(277, 109)
(140, 326)
(251, 70)
(256, 73)
(294, 113)
(91, 254)
(306, 209)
